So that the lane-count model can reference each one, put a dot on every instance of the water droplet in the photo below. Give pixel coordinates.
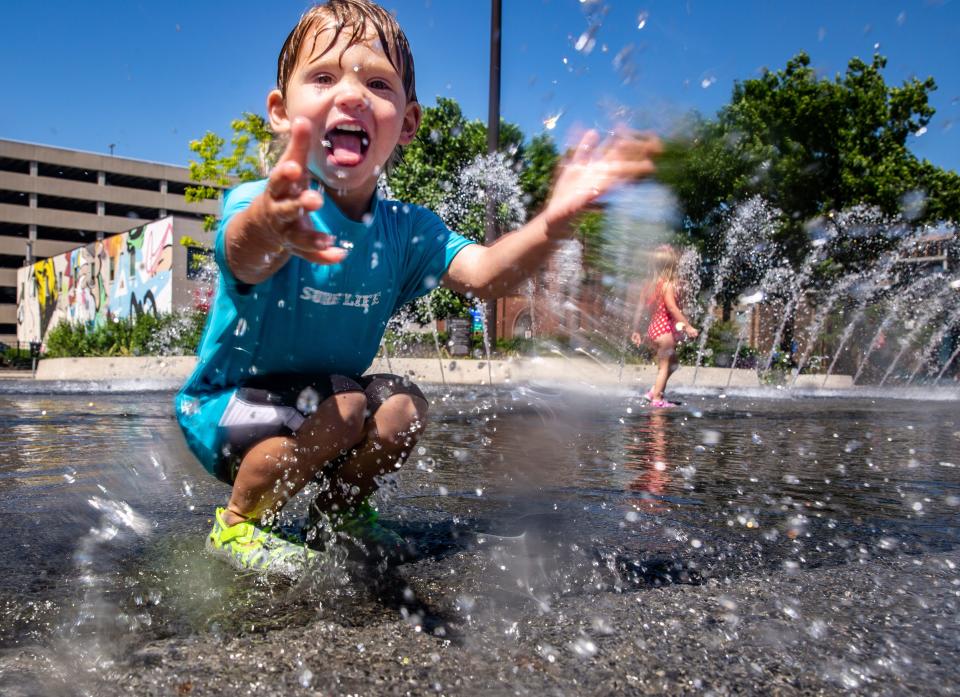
(551, 121)
(584, 647)
(851, 446)
(707, 82)
(308, 400)
(586, 42)
(642, 19)
(241, 327)
(710, 437)
(306, 678)
(189, 406)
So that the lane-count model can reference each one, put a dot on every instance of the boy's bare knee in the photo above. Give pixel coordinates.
(399, 422)
(339, 421)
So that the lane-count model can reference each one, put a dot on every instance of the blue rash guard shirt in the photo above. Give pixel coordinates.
(310, 318)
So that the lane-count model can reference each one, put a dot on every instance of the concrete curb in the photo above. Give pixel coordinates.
(432, 370)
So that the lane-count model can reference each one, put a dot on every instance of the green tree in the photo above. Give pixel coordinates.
(809, 146)
(250, 158)
(540, 160)
(446, 143)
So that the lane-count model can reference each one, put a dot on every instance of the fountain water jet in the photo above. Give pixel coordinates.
(747, 233)
(936, 338)
(817, 324)
(892, 313)
(931, 310)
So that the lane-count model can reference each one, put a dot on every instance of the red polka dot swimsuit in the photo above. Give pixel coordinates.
(661, 322)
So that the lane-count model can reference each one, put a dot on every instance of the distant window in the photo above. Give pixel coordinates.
(63, 203)
(178, 188)
(132, 212)
(45, 169)
(14, 198)
(129, 181)
(11, 164)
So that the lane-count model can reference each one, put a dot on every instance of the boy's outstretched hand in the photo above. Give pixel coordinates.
(261, 238)
(593, 168)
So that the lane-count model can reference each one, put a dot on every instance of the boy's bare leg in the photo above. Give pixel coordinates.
(392, 433)
(275, 469)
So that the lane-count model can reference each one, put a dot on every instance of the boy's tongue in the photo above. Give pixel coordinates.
(346, 148)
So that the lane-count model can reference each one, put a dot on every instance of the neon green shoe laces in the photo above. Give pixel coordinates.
(251, 547)
(361, 524)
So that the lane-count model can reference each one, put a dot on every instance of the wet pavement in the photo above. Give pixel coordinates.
(562, 545)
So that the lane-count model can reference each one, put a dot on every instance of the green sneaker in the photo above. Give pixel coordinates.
(251, 547)
(361, 526)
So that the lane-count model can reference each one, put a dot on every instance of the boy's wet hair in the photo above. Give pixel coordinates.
(357, 17)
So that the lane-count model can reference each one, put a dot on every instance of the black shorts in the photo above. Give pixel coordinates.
(278, 405)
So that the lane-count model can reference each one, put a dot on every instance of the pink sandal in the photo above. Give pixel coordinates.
(661, 404)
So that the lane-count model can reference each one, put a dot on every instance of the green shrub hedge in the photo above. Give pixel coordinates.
(169, 334)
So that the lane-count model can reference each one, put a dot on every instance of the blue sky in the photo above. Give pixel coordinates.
(150, 76)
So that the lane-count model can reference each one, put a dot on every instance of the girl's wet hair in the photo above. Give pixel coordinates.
(664, 262)
(360, 18)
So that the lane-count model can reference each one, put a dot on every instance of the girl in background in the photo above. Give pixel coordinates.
(668, 324)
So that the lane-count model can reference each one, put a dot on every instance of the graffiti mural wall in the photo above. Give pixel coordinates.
(123, 275)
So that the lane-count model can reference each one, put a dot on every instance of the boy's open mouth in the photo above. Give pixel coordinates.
(346, 144)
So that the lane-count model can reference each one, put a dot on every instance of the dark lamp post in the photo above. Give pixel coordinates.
(493, 144)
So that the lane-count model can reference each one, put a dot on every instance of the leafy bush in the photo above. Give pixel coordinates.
(13, 357)
(719, 349)
(175, 333)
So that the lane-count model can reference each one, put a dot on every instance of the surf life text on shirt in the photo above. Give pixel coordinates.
(322, 297)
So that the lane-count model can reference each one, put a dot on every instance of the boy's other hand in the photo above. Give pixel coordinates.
(288, 200)
(593, 168)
